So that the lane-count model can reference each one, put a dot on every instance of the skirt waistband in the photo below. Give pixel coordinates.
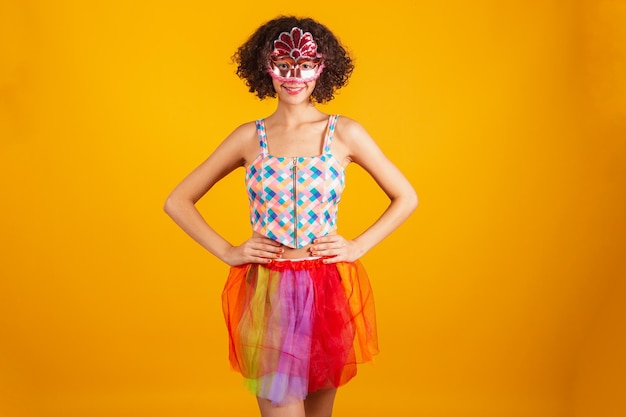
(308, 258)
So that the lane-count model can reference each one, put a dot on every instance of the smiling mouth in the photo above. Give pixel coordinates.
(294, 89)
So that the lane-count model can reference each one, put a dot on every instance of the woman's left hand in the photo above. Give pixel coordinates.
(336, 249)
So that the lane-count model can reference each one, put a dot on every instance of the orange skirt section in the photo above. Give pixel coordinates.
(296, 326)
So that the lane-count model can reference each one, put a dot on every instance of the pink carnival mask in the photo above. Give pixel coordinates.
(294, 58)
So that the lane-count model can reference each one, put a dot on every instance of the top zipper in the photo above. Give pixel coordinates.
(295, 202)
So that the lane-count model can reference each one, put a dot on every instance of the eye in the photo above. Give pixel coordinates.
(308, 66)
(282, 64)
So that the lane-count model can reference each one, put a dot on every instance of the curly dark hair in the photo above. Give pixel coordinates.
(252, 57)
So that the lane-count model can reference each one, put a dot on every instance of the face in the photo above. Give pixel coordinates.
(294, 58)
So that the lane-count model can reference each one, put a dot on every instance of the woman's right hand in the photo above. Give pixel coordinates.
(257, 249)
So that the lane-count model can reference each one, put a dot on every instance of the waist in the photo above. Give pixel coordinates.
(294, 235)
(293, 253)
(296, 253)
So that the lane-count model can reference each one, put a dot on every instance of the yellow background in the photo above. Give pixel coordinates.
(503, 295)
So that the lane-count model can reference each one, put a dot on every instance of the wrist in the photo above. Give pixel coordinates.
(224, 254)
(360, 248)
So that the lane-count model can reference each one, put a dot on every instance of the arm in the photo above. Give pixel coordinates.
(361, 148)
(180, 204)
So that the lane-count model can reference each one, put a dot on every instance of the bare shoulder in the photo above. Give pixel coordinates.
(243, 133)
(244, 140)
(354, 140)
(349, 129)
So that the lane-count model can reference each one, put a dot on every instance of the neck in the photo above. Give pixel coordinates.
(295, 113)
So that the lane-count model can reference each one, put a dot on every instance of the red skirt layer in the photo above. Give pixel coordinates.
(298, 326)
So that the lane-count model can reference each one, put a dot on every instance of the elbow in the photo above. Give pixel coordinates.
(176, 205)
(406, 201)
(412, 201)
(170, 207)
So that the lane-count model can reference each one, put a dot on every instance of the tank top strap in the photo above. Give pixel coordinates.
(328, 138)
(260, 130)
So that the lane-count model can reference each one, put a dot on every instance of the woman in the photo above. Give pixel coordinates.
(297, 302)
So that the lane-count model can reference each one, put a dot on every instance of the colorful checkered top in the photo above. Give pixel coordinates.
(293, 200)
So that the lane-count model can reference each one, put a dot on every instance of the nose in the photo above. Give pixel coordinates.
(295, 71)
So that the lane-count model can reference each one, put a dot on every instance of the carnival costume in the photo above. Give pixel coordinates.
(296, 326)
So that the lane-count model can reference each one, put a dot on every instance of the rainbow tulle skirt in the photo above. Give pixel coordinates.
(297, 326)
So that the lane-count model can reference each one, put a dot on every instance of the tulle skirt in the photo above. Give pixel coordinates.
(297, 326)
